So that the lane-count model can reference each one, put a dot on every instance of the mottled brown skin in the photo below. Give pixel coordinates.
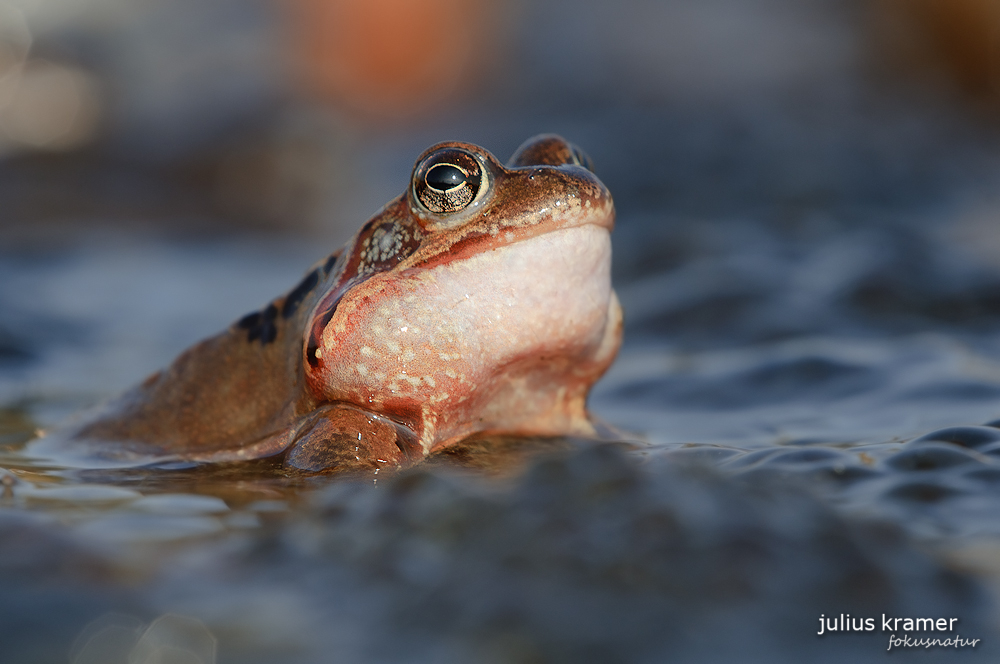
(265, 386)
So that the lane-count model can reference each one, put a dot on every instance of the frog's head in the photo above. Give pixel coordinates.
(480, 300)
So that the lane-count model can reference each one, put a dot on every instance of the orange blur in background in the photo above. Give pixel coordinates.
(954, 44)
(390, 59)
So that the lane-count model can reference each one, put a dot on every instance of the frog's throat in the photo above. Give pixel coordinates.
(427, 346)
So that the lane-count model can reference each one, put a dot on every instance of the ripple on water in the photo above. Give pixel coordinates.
(641, 560)
(920, 456)
(989, 477)
(965, 436)
(145, 528)
(708, 454)
(180, 504)
(922, 491)
(807, 378)
(76, 495)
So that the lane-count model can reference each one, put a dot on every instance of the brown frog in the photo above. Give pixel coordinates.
(477, 302)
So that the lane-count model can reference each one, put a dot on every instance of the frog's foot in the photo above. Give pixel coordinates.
(342, 438)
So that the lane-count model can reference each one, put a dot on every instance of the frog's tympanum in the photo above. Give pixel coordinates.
(478, 302)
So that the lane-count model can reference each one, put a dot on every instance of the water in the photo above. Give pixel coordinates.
(777, 480)
(805, 397)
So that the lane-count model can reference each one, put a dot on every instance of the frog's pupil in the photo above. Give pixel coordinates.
(444, 177)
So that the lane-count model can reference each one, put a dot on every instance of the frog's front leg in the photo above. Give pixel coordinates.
(344, 438)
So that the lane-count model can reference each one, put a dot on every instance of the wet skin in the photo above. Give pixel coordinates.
(477, 302)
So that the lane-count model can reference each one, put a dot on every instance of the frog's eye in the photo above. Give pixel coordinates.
(448, 180)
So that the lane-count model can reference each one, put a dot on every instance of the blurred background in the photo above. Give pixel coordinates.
(304, 116)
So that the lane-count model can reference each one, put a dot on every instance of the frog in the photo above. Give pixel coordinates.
(478, 302)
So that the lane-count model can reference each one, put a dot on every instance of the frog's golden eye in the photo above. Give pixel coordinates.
(448, 180)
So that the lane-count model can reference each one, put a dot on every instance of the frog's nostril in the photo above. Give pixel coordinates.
(581, 158)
